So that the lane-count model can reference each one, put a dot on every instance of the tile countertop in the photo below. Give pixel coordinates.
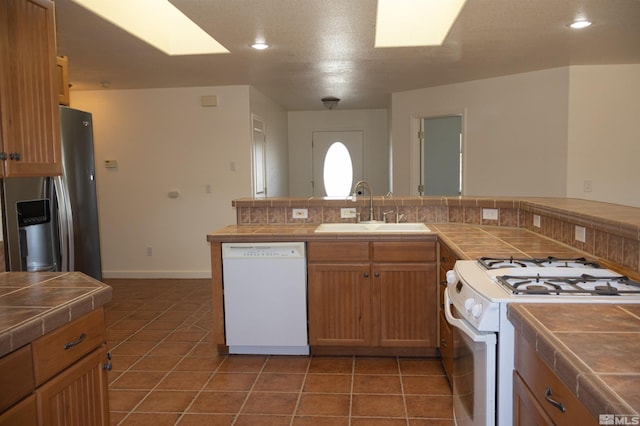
(467, 241)
(595, 355)
(35, 303)
(583, 348)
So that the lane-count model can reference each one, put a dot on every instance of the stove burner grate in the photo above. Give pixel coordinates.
(581, 285)
(550, 261)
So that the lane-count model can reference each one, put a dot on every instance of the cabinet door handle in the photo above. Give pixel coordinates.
(366, 275)
(444, 259)
(559, 405)
(14, 156)
(75, 342)
(3, 155)
(443, 343)
(376, 274)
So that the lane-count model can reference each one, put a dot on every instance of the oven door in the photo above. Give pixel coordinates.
(474, 370)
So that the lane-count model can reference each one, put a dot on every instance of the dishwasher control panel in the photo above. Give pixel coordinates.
(262, 250)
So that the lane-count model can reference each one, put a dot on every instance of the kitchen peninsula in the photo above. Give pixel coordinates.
(464, 227)
(53, 343)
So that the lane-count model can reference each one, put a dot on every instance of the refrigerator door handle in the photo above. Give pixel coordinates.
(65, 220)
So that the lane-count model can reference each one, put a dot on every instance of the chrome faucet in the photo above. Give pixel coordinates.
(365, 185)
(399, 216)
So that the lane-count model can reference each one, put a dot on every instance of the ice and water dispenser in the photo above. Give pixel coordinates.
(36, 237)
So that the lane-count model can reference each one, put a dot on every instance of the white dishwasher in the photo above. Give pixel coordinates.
(265, 298)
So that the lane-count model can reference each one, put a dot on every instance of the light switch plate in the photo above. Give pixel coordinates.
(490, 214)
(348, 213)
(300, 213)
(536, 220)
(581, 234)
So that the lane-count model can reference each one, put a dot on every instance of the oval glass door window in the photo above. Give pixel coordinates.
(337, 171)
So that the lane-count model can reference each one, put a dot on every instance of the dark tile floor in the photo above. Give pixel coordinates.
(166, 372)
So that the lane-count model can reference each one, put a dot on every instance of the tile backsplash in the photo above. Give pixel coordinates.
(612, 231)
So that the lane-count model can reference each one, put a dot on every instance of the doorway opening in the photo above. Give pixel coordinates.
(259, 157)
(441, 156)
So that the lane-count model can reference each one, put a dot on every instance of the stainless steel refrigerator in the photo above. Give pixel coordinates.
(51, 223)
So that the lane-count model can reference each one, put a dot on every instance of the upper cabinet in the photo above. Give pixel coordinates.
(29, 115)
(62, 66)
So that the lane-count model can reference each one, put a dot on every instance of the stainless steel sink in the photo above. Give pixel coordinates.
(373, 227)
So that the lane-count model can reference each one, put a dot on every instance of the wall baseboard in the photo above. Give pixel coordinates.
(157, 274)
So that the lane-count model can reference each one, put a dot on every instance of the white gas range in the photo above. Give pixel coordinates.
(476, 299)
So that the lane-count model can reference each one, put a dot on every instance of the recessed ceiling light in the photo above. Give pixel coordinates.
(260, 46)
(158, 23)
(581, 23)
(412, 23)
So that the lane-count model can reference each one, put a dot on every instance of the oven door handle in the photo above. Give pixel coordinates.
(462, 325)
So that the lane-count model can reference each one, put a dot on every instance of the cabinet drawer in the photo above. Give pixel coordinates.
(352, 251)
(16, 370)
(539, 377)
(404, 251)
(62, 347)
(447, 257)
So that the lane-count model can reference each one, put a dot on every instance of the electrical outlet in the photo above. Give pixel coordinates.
(490, 214)
(149, 251)
(588, 185)
(348, 213)
(536, 220)
(581, 234)
(300, 213)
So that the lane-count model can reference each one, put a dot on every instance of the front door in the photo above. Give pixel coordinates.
(322, 141)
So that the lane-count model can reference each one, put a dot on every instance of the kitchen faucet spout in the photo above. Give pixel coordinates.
(365, 185)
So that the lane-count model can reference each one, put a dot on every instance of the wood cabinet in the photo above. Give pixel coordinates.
(372, 297)
(29, 116)
(59, 378)
(445, 343)
(62, 79)
(84, 383)
(540, 397)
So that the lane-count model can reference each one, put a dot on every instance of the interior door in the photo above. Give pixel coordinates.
(442, 156)
(322, 141)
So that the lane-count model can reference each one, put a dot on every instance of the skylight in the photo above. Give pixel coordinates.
(415, 23)
(158, 23)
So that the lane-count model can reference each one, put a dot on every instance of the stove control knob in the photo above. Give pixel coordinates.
(476, 310)
(468, 304)
(452, 277)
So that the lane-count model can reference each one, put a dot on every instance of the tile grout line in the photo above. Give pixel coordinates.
(206, 383)
(132, 410)
(237, 414)
(404, 398)
(300, 392)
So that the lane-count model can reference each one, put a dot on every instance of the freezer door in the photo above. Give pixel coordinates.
(79, 191)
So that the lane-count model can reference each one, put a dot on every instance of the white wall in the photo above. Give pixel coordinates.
(275, 118)
(515, 131)
(164, 140)
(374, 125)
(604, 133)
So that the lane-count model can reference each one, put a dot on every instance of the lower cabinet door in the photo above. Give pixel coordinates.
(23, 413)
(404, 296)
(339, 304)
(526, 409)
(78, 395)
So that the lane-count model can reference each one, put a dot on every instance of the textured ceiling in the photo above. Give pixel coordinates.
(325, 47)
